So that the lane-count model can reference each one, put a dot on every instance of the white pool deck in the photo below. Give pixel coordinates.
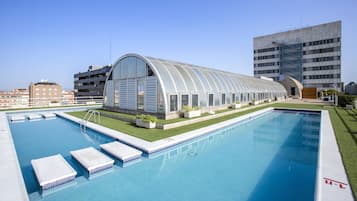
(34, 116)
(92, 160)
(121, 151)
(52, 171)
(331, 181)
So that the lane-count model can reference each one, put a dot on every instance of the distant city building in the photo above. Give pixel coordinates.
(311, 55)
(45, 93)
(14, 98)
(351, 88)
(91, 83)
(68, 97)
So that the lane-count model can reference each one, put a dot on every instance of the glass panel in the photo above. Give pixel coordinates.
(184, 100)
(194, 100)
(223, 99)
(210, 100)
(150, 72)
(124, 68)
(131, 67)
(233, 97)
(116, 71)
(173, 103)
(116, 93)
(140, 68)
(160, 100)
(140, 94)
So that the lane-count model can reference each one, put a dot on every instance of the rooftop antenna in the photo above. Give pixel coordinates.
(110, 50)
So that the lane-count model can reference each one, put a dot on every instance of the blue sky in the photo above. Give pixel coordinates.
(55, 39)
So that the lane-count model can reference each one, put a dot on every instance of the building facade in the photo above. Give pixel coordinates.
(14, 99)
(351, 88)
(311, 55)
(139, 84)
(45, 93)
(68, 97)
(91, 83)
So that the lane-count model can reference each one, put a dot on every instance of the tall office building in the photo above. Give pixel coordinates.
(311, 55)
(91, 83)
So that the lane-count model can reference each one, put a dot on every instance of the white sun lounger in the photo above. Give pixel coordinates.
(34, 116)
(52, 171)
(92, 160)
(17, 118)
(121, 151)
(48, 115)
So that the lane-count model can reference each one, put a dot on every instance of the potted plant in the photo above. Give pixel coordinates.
(145, 121)
(237, 105)
(254, 102)
(190, 112)
(54, 103)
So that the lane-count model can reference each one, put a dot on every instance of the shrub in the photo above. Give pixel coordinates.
(344, 100)
(147, 118)
(187, 108)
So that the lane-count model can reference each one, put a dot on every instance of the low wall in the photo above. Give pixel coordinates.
(205, 118)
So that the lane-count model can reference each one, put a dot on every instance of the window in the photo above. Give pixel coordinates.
(173, 103)
(123, 70)
(184, 100)
(116, 92)
(131, 67)
(210, 99)
(160, 100)
(140, 95)
(140, 68)
(233, 97)
(223, 99)
(150, 72)
(194, 100)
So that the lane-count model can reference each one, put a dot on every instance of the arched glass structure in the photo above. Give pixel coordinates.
(138, 83)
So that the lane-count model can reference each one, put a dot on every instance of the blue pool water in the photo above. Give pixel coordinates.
(272, 158)
(37, 139)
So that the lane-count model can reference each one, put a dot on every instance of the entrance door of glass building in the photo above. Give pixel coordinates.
(140, 94)
(292, 91)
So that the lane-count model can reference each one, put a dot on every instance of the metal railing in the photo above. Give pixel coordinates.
(21, 102)
(87, 117)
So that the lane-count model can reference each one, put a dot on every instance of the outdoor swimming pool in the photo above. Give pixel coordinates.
(41, 138)
(272, 157)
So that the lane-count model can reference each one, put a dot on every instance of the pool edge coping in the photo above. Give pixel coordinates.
(331, 179)
(11, 189)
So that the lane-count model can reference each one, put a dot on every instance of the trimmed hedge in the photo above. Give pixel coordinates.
(344, 100)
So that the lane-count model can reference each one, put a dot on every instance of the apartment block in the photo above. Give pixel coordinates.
(91, 83)
(45, 93)
(14, 98)
(351, 88)
(312, 55)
